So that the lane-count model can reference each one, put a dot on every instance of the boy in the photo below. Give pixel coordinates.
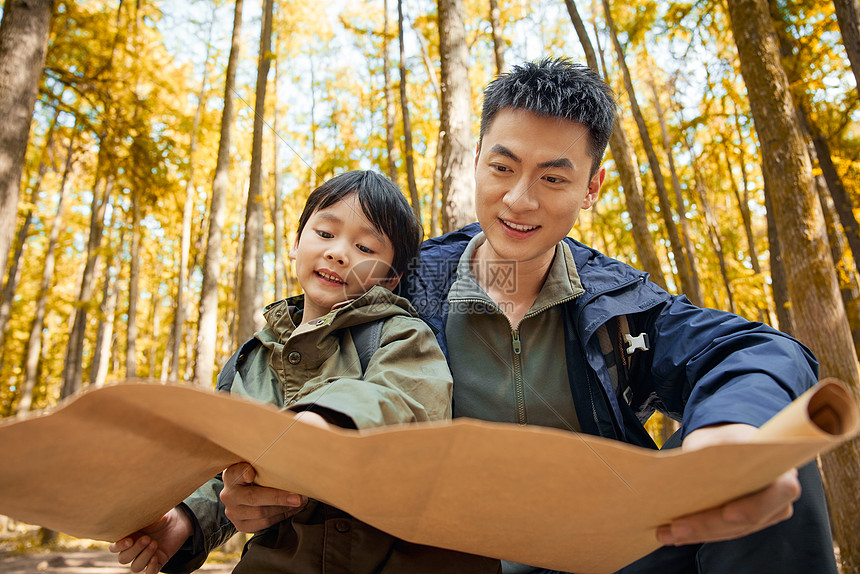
(355, 239)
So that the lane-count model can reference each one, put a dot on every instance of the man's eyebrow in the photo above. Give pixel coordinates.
(561, 162)
(502, 150)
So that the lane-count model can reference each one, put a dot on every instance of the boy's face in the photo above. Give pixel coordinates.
(340, 256)
(532, 177)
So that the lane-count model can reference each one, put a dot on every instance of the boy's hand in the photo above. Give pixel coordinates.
(252, 508)
(740, 516)
(151, 547)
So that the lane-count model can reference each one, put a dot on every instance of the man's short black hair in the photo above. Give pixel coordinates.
(382, 203)
(557, 88)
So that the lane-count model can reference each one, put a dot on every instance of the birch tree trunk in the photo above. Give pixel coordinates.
(253, 275)
(133, 290)
(207, 324)
(458, 183)
(73, 365)
(23, 44)
(817, 308)
(34, 342)
(414, 198)
(437, 170)
(390, 111)
(628, 170)
(848, 16)
(688, 286)
(498, 41)
(180, 305)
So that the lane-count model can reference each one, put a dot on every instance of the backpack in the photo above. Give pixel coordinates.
(365, 336)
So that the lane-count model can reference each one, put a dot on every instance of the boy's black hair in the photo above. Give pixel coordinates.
(557, 88)
(382, 203)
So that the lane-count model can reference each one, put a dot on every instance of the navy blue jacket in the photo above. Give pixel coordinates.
(703, 367)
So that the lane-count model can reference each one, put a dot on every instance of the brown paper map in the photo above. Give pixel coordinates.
(115, 459)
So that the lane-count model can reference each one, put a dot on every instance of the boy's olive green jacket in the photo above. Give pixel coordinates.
(316, 366)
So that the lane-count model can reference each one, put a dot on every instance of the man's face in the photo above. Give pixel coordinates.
(340, 256)
(531, 181)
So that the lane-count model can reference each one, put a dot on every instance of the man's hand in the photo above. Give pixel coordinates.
(252, 508)
(738, 517)
(151, 547)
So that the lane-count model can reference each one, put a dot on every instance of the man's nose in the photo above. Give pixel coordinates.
(520, 196)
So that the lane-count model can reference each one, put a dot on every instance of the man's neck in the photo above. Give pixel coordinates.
(512, 285)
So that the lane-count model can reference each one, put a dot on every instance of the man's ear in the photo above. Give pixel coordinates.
(477, 153)
(594, 188)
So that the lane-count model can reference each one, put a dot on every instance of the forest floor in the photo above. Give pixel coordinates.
(20, 553)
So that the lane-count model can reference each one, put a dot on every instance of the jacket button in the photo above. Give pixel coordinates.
(342, 526)
(294, 358)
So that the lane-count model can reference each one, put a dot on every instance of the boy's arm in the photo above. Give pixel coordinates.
(406, 380)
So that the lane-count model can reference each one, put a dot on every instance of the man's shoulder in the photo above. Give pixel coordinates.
(599, 271)
(449, 244)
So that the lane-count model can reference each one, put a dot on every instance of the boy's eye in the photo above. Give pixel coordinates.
(364, 249)
(324, 234)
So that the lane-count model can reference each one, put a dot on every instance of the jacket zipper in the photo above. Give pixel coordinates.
(518, 378)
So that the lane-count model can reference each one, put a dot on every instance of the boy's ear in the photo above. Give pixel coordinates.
(391, 282)
(293, 249)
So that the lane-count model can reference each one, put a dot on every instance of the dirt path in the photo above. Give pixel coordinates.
(80, 562)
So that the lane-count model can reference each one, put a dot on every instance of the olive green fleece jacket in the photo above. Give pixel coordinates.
(315, 366)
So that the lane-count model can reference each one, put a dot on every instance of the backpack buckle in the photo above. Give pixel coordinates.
(637, 343)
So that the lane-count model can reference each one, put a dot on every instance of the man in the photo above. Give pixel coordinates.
(517, 309)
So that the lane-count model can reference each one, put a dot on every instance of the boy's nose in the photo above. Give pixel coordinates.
(337, 257)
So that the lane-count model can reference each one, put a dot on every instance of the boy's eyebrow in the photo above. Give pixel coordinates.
(366, 228)
(561, 162)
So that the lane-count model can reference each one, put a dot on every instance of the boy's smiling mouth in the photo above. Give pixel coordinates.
(329, 276)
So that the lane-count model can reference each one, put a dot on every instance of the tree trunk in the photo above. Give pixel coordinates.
(498, 41)
(628, 170)
(23, 44)
(13, 276)
(104, 336)
(819, 314)
(848, 16)
(841, 198)
(688, 286)
(687, 231)
(458, 183)
(845, 270)
(390, 111)
(744, 208)
(73, 367)
(414, 198)
(207, 324)
(437, 169)
(253, 275)
(133, 290)
(781, 300)
(180, 305)
(34, 342)
(277, 200)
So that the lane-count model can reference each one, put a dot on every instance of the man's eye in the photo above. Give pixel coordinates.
(364, 249)
(500, 167)
(324, 234)
(551, 179)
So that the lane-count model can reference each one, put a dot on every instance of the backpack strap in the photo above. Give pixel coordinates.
(618, 347)
(228, 372)
(366, 337)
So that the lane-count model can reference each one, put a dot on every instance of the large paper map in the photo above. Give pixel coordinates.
(115, 459)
